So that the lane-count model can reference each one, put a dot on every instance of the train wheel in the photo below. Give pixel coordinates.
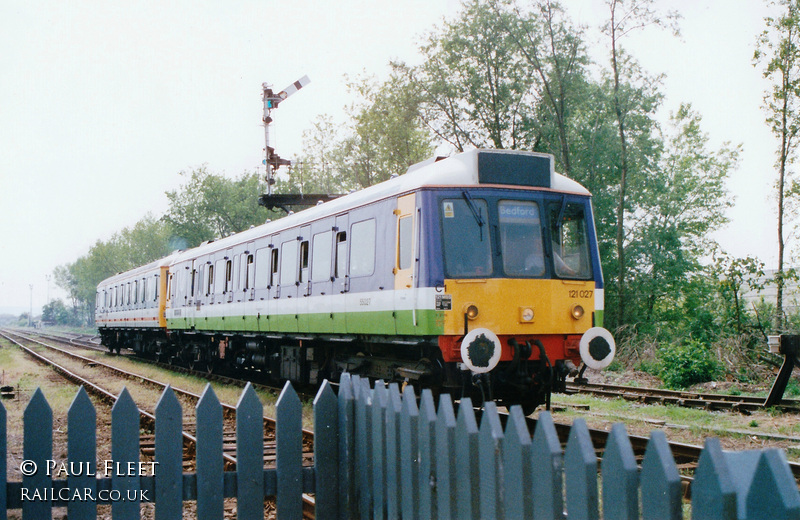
(198, 366)
(529, 407)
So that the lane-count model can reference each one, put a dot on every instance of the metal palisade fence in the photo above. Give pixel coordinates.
(379, 453)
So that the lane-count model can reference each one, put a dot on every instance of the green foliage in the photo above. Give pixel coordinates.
(148, 240)
(474, 83)
(649, 367)
(210, 205)
(56, 313)
(383, 137)
(685, 364)
(792, 388)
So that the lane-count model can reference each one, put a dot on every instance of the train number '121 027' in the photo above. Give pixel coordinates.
(580, 294)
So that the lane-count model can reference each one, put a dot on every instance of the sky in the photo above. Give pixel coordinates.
(103, 104)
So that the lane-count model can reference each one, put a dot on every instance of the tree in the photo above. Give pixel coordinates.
(475, 87)
(734, 275)
(148, 240)
(209, 206)
(386, 135)
(319, 168)
(779, 52)
(57, 313)
(679, 204)
(554, 51)
(639, 14)
(383, 137)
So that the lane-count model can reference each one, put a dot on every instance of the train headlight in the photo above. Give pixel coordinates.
(577, 311)
(471, 311)
(525, 314)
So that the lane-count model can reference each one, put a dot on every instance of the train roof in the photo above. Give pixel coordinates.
(469, 169)
(141, 270)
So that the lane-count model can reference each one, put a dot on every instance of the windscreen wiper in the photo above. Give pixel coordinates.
(475, 211)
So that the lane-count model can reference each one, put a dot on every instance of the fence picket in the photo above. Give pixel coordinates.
(413, 462)
(380, 402)
(467, 470)
(660, 481)
(210, 465)
(409, 454)
(548, 461)
(713, 490)
(620, 477)
(580, 468)
(363, 417)
(326, 452)
(125, 449)
(426, 499)
(773, 493)
(82, 448)
(249, 456)
(446, 490)
(37, 445)
(3, 468)
(346, 447)
(169, 454)
(393, 489)
(289, 456)
(490, 442)
(517, 467)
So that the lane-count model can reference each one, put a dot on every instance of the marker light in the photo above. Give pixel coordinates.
(526, 314)
(472, 312)
(577, 311)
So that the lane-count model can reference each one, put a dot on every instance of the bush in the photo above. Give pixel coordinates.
(686, 364)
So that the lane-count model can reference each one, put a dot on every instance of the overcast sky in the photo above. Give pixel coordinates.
(102, 104)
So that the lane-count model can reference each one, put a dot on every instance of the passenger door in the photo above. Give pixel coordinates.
(341, 279)
(405, 261)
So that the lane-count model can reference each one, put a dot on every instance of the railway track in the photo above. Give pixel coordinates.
(686, 455)
(148, 417)
(738, 403)
(256, 379)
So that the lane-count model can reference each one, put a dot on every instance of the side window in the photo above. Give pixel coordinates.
(262, 268)
(341, 254)
(136, 291)
(303, 275)
(273, 272)
(289, 262)
(362, 248)
(228, 276)
(219, 282)
(404, 253)
(321, 257)
(155, 288)
(249, 273)
(143, 290)
(128, 293)
(210, 281)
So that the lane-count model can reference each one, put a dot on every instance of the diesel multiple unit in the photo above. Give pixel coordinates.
(477, 274)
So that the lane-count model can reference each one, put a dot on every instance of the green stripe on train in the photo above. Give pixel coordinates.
(428, 323)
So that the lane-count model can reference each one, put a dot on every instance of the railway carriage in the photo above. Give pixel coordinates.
(475, 274)
(129, 306)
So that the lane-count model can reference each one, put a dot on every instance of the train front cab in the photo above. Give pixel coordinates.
(522, 296)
